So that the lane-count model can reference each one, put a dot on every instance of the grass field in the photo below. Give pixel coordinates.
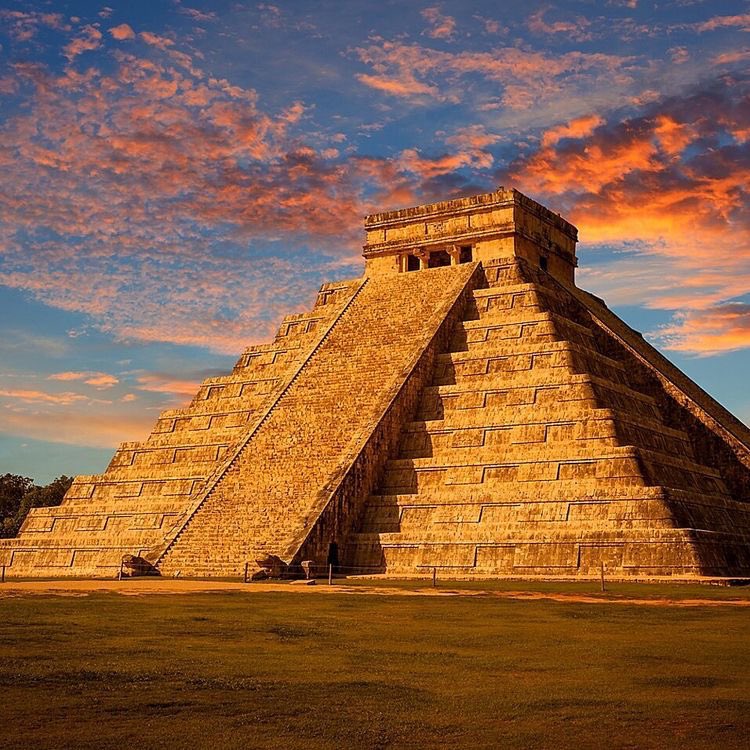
(301, 670)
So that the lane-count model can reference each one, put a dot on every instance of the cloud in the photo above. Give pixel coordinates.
(526, 78)
(729, 58)
(175, 385)
(741, 22)
(23, 26)
(122, 32)
(97, 379)
(195, 14)
(143, 197)
(32, 396)
(155, 40)
(717, 330)
(72, 425)
(669, 187)
(89, 39)
(440, 26)
(578, 128)
(572, 29)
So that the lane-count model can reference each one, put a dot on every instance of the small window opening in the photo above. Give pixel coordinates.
(543, 262)
(438, 259)
(465, 255)
(412, 263)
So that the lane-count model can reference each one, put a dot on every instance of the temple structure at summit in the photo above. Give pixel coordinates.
(463, 406)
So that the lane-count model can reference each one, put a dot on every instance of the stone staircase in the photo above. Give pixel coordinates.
(148, 485)
(542, 448)
(272, 494)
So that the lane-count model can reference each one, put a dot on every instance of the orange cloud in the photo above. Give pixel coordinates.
(122, 32)
(166, 383)
(405, 85)
(90, 39)
(640, 185)
(97, 379)
(722, 22)
(441, 26)
(573, 29)
(578, 128)
(717, 330)
(155, 40)
(74, 426)
(24, 25)
(526, 77)
(31, 396)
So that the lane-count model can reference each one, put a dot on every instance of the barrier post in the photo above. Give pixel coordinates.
(434, 578)
(244, 576)
(2, 575)
(603, 589)
(330, 574)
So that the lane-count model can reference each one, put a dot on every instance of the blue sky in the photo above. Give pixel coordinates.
(175, 177)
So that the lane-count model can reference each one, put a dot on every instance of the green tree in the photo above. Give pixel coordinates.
(21, 495)
(12, 489)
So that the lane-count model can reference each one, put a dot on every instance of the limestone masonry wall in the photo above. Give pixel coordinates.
(149, 485)
(269, 498)
(539, 449)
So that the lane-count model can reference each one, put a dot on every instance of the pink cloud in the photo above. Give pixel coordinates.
(27, 395)
(24, 25)
(723, 22)
(526, 77)
(440, 26)
(122, 32)
(155, 40)
(573, 29)
(89, 39)
(195, 14)
(97, 379)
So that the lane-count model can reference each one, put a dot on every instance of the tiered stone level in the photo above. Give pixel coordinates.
(537, 452)
(148, 485)
(462, 407)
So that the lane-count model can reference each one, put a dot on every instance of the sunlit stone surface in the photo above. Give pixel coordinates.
(462, 406)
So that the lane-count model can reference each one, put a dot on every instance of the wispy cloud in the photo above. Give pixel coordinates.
(97, 379)
(525, 76)
(33, 396)
(440, 26)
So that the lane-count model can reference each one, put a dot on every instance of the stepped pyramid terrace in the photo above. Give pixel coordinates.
(463, 406)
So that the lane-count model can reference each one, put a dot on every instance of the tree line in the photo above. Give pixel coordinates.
(18, 495)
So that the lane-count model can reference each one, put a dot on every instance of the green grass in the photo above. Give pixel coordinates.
(301, 670)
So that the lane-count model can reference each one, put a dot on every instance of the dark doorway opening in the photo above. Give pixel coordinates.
(333, 555)
(438, 259)
(412, 263)
(465, 255)
(543, 262)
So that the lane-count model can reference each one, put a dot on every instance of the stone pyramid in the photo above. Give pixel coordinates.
(463, 407)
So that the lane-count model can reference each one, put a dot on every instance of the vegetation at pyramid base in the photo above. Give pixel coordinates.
(18, 495)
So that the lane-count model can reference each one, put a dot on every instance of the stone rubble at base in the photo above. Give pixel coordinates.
(462, 407)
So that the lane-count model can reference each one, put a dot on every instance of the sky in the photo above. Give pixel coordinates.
(177, 176)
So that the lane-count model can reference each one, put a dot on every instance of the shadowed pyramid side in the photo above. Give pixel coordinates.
(538, 451)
